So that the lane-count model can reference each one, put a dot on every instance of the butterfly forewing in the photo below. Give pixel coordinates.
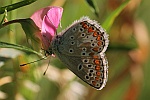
(81, 47)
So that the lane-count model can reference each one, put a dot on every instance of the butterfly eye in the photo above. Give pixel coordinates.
(72, 43)
(83, 53)
(90, 65)
(97, 84)
(98, 32)
(83, 34)
(93, 28)
(71, 50)
(71, 37)
(81, 30)
(91, 70)
(90, 74)
(87, 77)
(102, 33)
(93, 44)
(87, 36)
(74, 29)
(100, 49)
(102, 42)
(80, 67)
(85, 60)
(100, 80)
(91, 40)
(88, 25)
(84, 49)
(102, 38)
(101, 69)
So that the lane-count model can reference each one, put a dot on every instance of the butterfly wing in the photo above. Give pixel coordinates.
(81, 48)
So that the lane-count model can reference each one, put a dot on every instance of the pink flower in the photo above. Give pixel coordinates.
(47, 20)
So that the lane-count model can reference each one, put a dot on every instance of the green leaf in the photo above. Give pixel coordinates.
(92, 5)
(18, 47)
(110, 19)
(16, 5)
(31, 30)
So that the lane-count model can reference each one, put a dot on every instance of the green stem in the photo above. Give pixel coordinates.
(16, 5)
(4, 16)
(12, 21)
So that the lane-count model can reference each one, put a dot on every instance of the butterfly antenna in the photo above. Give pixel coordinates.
(34, 61)
(46, 67)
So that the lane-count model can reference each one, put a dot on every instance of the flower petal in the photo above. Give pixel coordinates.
(38, 16)
(49, 25)
(54, 15)
(48, 31)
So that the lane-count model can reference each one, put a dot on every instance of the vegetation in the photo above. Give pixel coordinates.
(125, 21)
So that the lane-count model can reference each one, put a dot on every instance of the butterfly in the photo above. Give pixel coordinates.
(81, 47)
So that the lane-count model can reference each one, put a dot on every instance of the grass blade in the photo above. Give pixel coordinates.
(18, 47)
(110, 19)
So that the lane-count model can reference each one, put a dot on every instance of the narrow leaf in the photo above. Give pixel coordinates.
(16, 5)
(31, 30)
(18, 47)
(4, 17)
(110, 19)
(92, 5)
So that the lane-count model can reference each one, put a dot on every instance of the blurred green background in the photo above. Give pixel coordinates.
(128, 55)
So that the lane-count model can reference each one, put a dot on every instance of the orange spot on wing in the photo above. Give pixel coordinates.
(97, 78)
(95, 57)
(84, 25)
(94, 83)
(98, 73)
(98, 38)
(97, 67)
(95, 49)
(90, 29)
(97, 62)
(99, 43)
(91, 54)
(95, 34)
